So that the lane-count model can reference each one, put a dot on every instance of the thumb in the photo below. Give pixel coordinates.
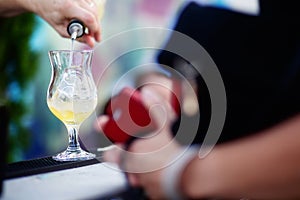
(159, 110)
(101, 122)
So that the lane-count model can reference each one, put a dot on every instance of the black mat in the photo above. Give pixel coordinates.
(47, 164)
(42, 165)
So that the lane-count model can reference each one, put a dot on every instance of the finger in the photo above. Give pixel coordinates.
(113, 155)
(92, 6)
(101, 122)
(88, 5)
(97, 35)
(88, 39)
(133, 180)
(92, 22)
(159, 110)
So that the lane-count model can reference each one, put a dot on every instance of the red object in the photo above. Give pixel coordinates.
(127, 116)
(176, 96)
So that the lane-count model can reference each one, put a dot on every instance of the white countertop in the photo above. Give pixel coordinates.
(86, 182)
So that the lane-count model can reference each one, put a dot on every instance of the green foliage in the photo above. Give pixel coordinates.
(18, 65)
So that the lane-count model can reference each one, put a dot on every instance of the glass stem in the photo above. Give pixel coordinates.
(73, 138)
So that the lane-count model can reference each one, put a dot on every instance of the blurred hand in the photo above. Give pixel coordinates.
(146, 158)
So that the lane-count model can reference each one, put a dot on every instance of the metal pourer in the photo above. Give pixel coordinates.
(76, 29)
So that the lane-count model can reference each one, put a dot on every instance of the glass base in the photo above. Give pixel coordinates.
(77, 155)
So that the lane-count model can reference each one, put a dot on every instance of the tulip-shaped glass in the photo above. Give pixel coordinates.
(72, 96)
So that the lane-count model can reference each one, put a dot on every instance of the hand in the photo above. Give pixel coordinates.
(58, 14)
(147, 157)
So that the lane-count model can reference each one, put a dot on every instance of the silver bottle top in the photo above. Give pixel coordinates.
(76, 29)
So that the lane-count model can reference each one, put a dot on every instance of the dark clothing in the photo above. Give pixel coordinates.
(258, 58)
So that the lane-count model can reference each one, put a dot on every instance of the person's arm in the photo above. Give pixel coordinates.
(58, 14)
(266, 165)
(9, 8)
